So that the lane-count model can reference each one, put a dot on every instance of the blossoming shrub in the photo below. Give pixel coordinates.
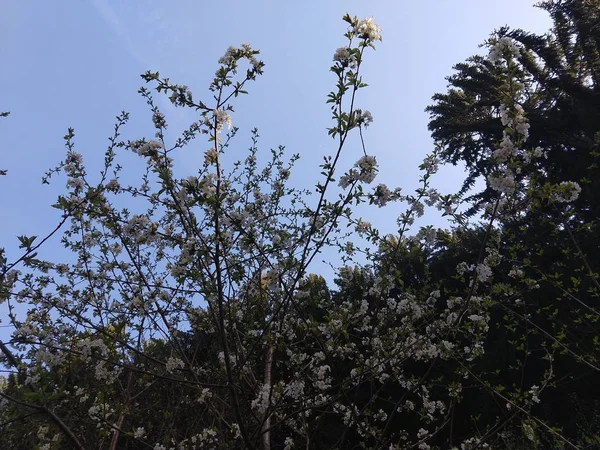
(192, 322)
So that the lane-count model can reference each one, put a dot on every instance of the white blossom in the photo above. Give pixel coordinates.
(288, 443)
(349, 248)
(113, 185)
(222, 118)
(515, 273)
(382, 195)
(502, 182)
(210, 156)
(431, 164)
(174, 364)
(498, 49)
(568, 191)
(528, 431)
(345, 57)
(484, 272)
(158, 119)
(261, 402)
(363, 118)
(149, 148)
(229, 57)
(368, 172)
(367, 28)
(534, 391)
(362, 226)
(505, 150)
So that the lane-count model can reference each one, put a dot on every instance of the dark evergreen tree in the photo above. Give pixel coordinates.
(559, 74)
(557, 248)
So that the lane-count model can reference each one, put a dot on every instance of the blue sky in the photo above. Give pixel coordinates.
(76, 63)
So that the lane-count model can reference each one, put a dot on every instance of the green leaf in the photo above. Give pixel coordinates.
(26, 242)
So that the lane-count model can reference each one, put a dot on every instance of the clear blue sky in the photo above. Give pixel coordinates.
(76, 63)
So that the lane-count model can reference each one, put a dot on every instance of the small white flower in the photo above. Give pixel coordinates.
(502, 182)
(222, 118)
(382, 195)
(568, 191)
(149, 148)
(534, 391)
(368, 29)
(528, 431)
(368, 166)
(262, 401)
(484, 272)
(173, 364)
(363, 118)
(344, 57)
(210, 156)
(362, 226)
(75, 183)
(288, 443)
(113, 185)
(158, 119)
(349, 248)
(515, 273)
(498, 49)
(229, 57)
(346, 180)
(431, 164)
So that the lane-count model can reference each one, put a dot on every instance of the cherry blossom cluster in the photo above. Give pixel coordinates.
(368, 28)
(366, 173)
(499, 49)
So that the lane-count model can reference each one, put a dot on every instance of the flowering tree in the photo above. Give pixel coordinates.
(192, 321)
